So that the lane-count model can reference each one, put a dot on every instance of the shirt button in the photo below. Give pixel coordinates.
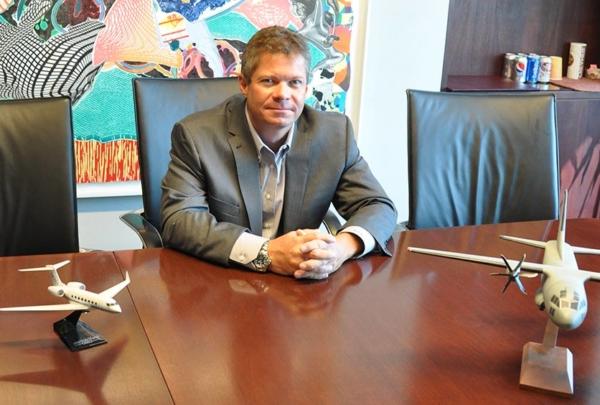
(268, 196)
(242, 257)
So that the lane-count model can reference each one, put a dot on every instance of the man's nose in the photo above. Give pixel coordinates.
(282, 91)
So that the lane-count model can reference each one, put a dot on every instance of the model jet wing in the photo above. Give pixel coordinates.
(114, 290)
(57, 307)
(590, 275)
(528, 269)
(586, 251)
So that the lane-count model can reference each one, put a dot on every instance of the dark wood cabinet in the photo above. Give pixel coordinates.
(480, 32)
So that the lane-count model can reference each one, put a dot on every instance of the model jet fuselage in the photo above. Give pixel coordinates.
(562, 293)
(565, 301)
(76, 292)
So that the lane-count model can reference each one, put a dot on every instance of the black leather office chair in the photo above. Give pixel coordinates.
(477, 158)
(38, 208)
(159, 104)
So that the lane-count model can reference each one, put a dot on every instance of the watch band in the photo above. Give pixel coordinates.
(263, 260)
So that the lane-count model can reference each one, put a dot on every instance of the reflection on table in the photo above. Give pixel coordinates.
(410, 328)
(406, 329)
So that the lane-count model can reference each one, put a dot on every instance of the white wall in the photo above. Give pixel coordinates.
(99, 224)
(399, 44)
(404, 49)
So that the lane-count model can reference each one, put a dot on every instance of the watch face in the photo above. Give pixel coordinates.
(260, 266)
(262, 261)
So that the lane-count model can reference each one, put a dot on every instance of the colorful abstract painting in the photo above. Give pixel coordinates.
(90, 50)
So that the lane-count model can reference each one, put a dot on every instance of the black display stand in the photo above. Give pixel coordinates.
(77, 335)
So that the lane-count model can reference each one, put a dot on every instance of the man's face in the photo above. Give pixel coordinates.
(276, 92)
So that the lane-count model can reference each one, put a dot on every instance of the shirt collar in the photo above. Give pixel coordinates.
(260, 144)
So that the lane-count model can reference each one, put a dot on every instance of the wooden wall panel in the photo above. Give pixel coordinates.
(579, 151)
(481, 31)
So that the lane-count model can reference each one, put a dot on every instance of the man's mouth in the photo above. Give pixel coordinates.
(280, 108)
(283, 112)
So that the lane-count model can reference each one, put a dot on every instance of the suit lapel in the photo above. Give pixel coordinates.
(296, 175)
(246, 163)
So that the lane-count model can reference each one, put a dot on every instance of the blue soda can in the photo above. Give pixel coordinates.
(533, 68)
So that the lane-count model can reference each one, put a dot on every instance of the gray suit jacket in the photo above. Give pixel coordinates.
(211, 191)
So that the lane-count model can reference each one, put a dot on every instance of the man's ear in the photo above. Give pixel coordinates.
(243, 84)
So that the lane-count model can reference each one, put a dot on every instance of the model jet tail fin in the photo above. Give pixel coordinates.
(50, 267)
(530, 242)
(562, 225)
(560, 237)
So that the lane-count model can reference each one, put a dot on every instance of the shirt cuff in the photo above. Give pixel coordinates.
(364, 235)
(246, 248)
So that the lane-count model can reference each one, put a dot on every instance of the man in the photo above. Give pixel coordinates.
(251, 180)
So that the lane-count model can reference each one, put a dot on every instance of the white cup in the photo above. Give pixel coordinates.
(576, 59)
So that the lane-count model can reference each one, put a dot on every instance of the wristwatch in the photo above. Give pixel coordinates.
(263, 260)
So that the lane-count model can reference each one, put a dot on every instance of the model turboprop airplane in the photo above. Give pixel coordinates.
(79, 298)
(562, 293)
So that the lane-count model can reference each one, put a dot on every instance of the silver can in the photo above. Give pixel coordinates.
(545, 69)
(509, 64)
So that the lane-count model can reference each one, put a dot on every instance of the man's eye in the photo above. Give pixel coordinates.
(267, 81)
(296, 83)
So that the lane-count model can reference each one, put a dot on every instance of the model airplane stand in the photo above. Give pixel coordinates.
(547, 367)
(77, 335)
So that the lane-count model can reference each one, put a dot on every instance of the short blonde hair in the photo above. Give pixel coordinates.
(273, 40)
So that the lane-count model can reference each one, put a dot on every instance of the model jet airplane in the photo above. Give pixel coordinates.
(562, 293)
(79, 298)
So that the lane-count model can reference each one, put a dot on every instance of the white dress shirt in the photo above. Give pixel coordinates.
(272, 187)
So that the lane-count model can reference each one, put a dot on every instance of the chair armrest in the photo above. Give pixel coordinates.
(150, 236)
(332, 222)
(401, 227)
(147, 233)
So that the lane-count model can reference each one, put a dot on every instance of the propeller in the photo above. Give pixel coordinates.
(512, 274)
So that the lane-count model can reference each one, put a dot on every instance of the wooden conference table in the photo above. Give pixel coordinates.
(407, 329)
